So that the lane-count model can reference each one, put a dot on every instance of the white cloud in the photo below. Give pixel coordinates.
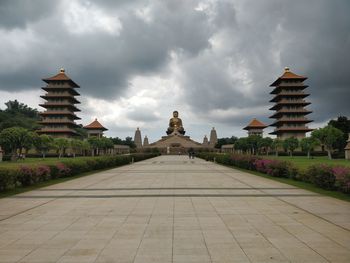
(28, 97)
(85, 18)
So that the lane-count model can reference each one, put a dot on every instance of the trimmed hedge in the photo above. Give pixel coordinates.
(26, 175)
(324, 176)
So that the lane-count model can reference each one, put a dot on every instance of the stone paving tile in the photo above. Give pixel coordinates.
(170, 209)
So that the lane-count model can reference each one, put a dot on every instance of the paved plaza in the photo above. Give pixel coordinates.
(173, 209)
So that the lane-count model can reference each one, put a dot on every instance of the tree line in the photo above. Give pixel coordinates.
(331, 137)
(17, 141)
(18, 125)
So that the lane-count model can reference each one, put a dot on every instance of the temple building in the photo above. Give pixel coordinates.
(175, 142)
(205, 141)
(95, 129)
(255, 127)
(59, 118)
(290, 112)
(145, 141)
(213, 138)
(138, 138)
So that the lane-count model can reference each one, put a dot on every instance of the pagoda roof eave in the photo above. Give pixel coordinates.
(61, 76)
(95, 125)
(288, 75)
(255, 124)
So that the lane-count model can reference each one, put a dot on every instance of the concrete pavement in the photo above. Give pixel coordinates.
(173, 209)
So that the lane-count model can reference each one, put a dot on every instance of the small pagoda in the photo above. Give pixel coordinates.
(290, 112)
(58, 119)
(95, 129)
(255, 127)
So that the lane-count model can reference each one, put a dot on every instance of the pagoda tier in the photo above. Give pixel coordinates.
(289, 95)
(255, 127)
(53, 105)
(288, 102)
(59, 118)
(62, 90)
(290, 106)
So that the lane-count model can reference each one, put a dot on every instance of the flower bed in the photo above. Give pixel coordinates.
(31, 174)
(322, 175)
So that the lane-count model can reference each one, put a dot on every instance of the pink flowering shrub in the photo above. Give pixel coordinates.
(342, 177)
(62, 170)
(30, 175)
(262, 165)
(43, 173)
(321, 175)
(243, 161)
(26, 175)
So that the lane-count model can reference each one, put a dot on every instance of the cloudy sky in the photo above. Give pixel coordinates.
(212, 60)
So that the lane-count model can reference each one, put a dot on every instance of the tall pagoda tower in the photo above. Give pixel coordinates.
(58, 119)
(138, 138)
(213, 138)
(290, 112)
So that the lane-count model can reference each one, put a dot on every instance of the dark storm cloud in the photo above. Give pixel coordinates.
(312, 38)
(103, 63)
(19, 13)
(323, 44)
(228, 52)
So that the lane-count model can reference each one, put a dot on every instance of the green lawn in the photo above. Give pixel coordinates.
(36, 161)
(303, 162)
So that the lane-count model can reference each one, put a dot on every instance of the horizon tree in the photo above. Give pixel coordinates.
(75, 145)
(276, 144)
(342, 123)
(308, 144)
(43, 144)
(265, 143)
(327, 136)
(290, 144)
(61, 144)
(242, 145)
(15, 139)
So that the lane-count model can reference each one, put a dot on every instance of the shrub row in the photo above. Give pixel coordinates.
(324, 176)
(26, 175)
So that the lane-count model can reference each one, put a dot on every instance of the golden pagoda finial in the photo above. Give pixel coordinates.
(62, 70)
(286, 69)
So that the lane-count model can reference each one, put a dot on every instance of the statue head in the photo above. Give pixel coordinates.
(175, 114)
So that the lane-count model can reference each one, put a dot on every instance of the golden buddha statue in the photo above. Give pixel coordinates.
(175, 124)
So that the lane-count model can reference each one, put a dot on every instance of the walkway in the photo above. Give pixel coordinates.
(172, 209)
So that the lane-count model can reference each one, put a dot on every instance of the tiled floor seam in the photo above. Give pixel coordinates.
(205, 242)
(173, 233)
(304, 210)
(116, 233)
(58, 233)
(233, 236)
(24, 211)
(144, 232)
(282, 227)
